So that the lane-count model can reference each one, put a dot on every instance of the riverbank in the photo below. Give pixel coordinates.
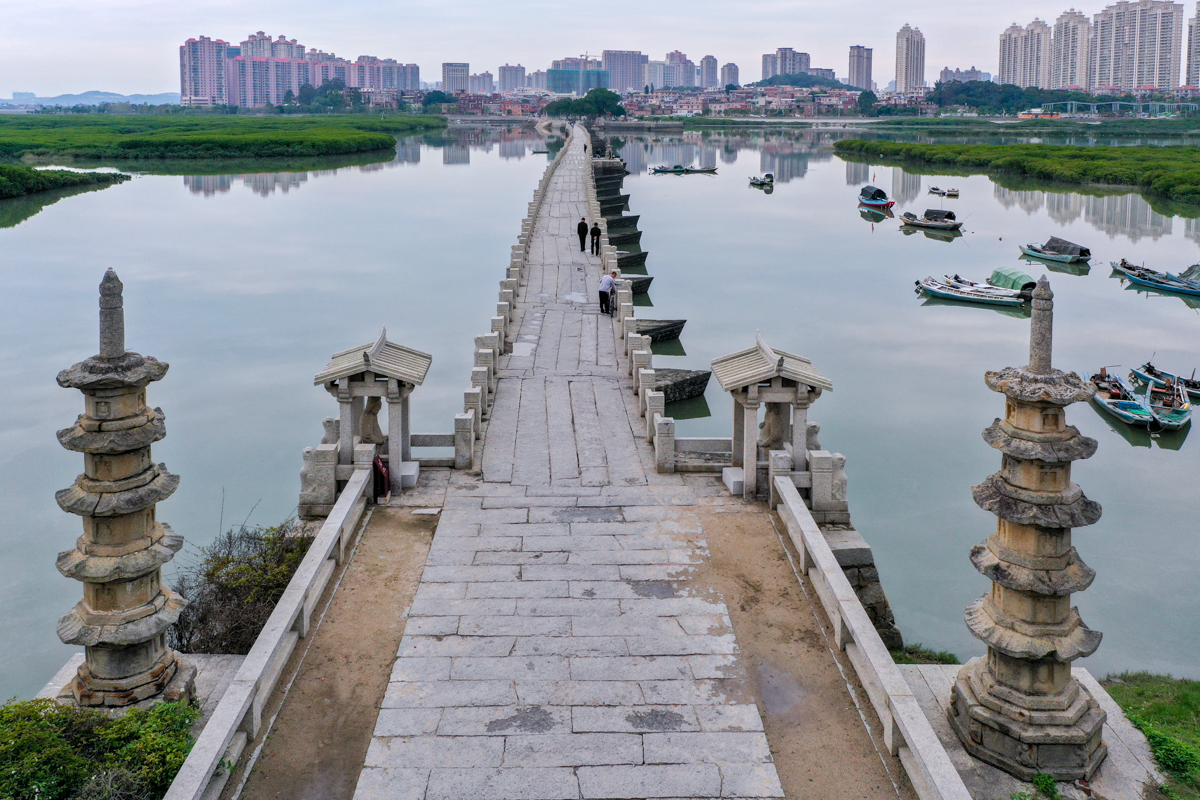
(1167, 710)
(1171, 173)
(16, 181)
(203, 137)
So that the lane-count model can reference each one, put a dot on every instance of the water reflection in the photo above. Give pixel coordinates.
(906, 186)
(1126, 215)
(785, 154)
(857, 173)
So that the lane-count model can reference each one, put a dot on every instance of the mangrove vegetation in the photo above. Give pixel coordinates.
(16, 181)
(1171, 173)
(102, 136)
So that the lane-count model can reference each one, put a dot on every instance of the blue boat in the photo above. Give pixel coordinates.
(1115, 397)
(1162, 281)
(873, 197)
(1169, 405)
(957, 289)
(1151, 375)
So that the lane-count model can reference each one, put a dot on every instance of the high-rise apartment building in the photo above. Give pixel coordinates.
(537, 80)
(710, 77)
(259, 45)
(770, 66)
(1137, 44)
(1069, 51)
(483, 83)
(1192, 56)
(573, 63)
(456, 76)
(785, 61)
(512, 78)
(729, 75)
(680, 70)
(962, 75)
(910, 59)
(202, 72)
(1025, 55)
(860, 67)
(626, 69)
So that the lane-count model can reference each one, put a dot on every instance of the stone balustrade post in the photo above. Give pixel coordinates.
(656, 406)
(464, 440)
(779, 464)
(509, 298)
(479, 379)
(820, 465)
(473, 404)
(645, 384)
(664, 444)
(486, 358)
(504, 311)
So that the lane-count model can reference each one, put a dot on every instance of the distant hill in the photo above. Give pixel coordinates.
(96, 98)
(803, 80)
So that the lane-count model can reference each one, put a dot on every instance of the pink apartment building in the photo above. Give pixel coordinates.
(262, 70)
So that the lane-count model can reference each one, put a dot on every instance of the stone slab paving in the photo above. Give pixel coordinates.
(552, 649)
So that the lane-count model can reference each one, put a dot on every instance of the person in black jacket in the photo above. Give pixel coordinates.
(595, 238)
(582, 229)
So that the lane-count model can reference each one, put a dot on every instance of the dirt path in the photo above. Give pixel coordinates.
(319, 740)
(820, 746)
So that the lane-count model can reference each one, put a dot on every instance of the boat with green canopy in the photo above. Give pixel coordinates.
(1013, 278)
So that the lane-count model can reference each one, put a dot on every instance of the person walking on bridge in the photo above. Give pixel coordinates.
(595, 238)
(582, 229)
(606, 286)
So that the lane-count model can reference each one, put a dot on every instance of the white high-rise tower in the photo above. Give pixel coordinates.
(1137, 44)
(910, 59)
(1070, 49)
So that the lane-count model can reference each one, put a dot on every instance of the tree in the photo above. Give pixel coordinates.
(866, 102)
(436, 97)
(307, 94)
(730, 87)
(288, 98)
(595, 103)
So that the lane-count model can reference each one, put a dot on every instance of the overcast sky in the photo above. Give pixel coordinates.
(55, 47)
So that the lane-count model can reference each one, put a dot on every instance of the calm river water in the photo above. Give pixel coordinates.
(246, 283)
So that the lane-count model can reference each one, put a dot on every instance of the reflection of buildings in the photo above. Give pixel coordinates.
(1191, 229)
(784, 166)
(906, 186)
(512, 149)
(1116, 215)
(208, 185)
(261, 183)
(857, 174)
(708, 156)
(786, 154)
(408, 151)
(456, 153)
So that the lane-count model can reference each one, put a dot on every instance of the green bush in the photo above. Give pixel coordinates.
(50, 751)
(917, 653)
(19, 181)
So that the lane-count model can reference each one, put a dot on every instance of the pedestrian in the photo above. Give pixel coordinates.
(607, 283)
(595, 238)
(582, 230)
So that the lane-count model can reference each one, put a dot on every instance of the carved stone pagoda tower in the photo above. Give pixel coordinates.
(126, 610)
(1019, 708)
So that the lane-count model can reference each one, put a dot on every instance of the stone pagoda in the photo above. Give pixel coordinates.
(1019, 708)
(123, 617)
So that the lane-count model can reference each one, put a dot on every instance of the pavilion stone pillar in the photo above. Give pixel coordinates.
(1019, 708)
(126, 610)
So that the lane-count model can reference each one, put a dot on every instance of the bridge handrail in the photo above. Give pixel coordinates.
(237, 718)
(906, 731)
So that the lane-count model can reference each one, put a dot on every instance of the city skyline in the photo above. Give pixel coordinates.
(141, 56)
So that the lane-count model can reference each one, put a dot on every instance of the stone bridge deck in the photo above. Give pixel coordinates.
(553, 649)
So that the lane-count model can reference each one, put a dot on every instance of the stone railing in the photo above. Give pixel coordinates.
(906, 731)
(237, 718)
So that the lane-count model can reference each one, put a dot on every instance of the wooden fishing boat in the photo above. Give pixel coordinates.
(952, 193)
(678, 169)
(1059, 250)
(1162, 281)
(937, 191)
(933, 218)
(659, 329)
(969, 294)
(1114, 397)
(989, 287)
(1153, 376)
(622, 221)
(620, 237)
(700, 171)
(1169, 405)
(874, 197)
(765, 180)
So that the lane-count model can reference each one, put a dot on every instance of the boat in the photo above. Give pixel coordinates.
(1153, 376)
(1059, 250)
(948, 290)
(989, 287)
(874, 198)
(952, 193)
(1169, 405)
(765, 180)
(678, 169)
(700, 171)
(1115, 397)
(933, 219)
(1162, 281)
(937, 191)
(1011, 278)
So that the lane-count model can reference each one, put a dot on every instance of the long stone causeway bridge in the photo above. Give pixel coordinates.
(579, 604)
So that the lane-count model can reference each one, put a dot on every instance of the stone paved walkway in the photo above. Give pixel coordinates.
(552, 650)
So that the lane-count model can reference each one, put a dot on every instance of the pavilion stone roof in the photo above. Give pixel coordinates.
(761, 363)
(382, 357)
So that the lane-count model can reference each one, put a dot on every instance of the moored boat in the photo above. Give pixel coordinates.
(765, 180)
(1169, 405)
(1114, 397)
(937, 191)
(952, 193)
(1056, 249)
(1163, 281)
(972, 293)
(700, 171)
(933, 218)
(678, 169)
(1153, 376)
(874, 197)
